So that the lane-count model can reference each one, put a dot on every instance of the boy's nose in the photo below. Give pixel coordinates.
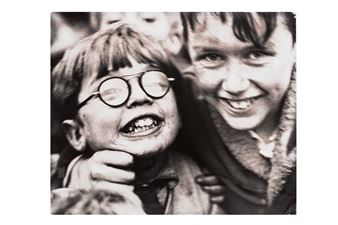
(235, 82)
(137, 95)
(132, 21)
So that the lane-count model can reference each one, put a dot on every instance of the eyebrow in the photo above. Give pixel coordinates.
(223, 49)
(212, 43)
(199, 48)
(220, 47)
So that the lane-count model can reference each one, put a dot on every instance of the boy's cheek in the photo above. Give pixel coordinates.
(207, 87)
(207, 80)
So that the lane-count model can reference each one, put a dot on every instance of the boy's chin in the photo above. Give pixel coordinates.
(152, 144)
(242, 124)
(146, 150)
(149, 147)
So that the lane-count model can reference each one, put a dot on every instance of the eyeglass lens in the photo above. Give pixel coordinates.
(155, 83)
(115, 91)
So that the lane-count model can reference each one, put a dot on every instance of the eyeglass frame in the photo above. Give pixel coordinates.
(138, 75)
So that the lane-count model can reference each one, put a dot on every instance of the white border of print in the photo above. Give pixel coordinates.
(25, 110)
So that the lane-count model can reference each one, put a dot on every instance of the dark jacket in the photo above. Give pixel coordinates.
(255, 185)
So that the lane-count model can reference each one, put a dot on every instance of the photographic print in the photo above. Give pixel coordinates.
(173, 113)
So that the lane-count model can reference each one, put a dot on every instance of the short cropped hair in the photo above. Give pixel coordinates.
(243, 24)
(100, 53)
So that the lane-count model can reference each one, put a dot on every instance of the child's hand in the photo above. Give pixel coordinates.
(213, 186)
(106, 169)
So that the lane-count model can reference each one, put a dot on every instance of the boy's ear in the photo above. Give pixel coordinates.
(174, 43)
(294, 53)
(74, 134)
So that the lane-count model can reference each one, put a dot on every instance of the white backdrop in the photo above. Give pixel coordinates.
(25, 109)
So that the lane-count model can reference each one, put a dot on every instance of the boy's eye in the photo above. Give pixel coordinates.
(149, 20)
(255, 55)
(258, 56)
(112, 21)
(211, 59)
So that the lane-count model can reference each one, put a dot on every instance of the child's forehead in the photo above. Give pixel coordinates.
(253, 29)
(208, 29)
(206, 21)
(95, 78)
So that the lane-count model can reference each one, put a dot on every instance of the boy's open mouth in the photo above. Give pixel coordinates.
(142, 125)
(242, 104)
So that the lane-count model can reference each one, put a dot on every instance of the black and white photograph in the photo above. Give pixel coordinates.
(168, 112)
(173, 113)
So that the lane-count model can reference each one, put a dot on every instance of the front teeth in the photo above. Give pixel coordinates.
(243, 104)
(142, 125)
(140, 129)
(144, 122)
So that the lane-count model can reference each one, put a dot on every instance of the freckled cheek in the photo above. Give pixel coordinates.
(103, 124)
(168, 107)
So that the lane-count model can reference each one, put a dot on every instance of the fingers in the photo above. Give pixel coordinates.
(212, 185)
(217, 199)
(114, 158)
(110, 166)
(111, 174)
(113, 187)
(207, 180)
(215, 189)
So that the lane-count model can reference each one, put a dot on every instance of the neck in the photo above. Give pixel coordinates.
(269, 125)
(147, 169)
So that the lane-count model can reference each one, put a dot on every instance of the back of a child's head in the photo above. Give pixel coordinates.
(80, 201)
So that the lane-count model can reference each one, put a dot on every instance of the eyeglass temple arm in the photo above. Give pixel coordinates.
(87, 100)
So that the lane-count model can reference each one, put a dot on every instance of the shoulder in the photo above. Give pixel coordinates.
(184, 164)
(188, 197)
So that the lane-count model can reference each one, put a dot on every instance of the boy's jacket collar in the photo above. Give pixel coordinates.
(244, 148)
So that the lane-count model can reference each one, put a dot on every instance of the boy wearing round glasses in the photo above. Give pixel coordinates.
(116, 94)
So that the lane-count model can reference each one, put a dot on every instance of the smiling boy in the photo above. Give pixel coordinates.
(243, 86)
(116, 92)
(164, 27)
(140, 128)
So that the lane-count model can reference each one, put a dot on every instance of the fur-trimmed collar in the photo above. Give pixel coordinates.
(244, 148)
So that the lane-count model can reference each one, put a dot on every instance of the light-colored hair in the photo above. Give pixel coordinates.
(100, 53)
(80, 201)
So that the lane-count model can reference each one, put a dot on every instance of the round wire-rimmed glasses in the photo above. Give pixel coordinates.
(115, 91)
